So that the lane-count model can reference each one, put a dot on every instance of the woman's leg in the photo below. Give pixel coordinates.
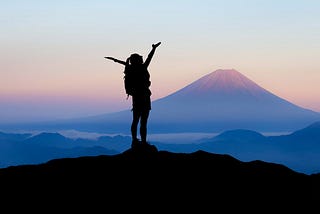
(143, 125)
(134, 124)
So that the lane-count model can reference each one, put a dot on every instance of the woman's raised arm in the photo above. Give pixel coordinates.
(116, 60)
(150, 55)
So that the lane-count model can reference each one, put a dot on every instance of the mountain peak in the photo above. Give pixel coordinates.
(225, 72)
(223, 81)
(226, 78)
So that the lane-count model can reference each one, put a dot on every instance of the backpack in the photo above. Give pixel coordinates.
(128, 82)
(134, 82)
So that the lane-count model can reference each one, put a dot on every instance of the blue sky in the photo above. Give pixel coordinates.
(52, 51)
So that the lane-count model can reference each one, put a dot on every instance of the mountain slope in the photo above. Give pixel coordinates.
(226, 99)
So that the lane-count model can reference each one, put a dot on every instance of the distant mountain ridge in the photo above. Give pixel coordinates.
(299, 150)
(21, 149)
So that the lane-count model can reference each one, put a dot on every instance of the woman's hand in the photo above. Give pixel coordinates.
(111, 58)
(156, 45)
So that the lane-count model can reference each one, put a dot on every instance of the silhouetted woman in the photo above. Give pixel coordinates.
(141, 102)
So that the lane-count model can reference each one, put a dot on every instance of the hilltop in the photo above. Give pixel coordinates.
(146, 175)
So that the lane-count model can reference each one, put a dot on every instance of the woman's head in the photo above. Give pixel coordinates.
(136, 59)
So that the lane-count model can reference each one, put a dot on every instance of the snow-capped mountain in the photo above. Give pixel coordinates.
(226, 99)
(221, 100)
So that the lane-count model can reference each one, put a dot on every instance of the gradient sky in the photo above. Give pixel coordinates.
(52, 65)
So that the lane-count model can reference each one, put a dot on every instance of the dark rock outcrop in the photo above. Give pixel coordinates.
(144, 178)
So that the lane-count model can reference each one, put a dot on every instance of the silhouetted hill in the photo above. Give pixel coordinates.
(299, 150)
(20, 149)
(240, 135)
(50, 139)
(309, 134)
(145, 178)
(10, 137)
